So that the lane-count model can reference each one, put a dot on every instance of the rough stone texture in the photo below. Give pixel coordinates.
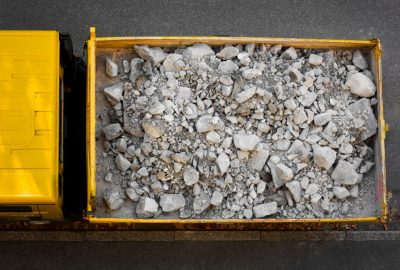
(315, 60)
(153, 54)
(294, 189)
(245, 95)
(324, 157)
(190, 176)
(223, 162)
(362, 108)
(228, 52)
(217, 198)
(146, 208)
(172, 202)
(114, 93)
(153, 128)
(258, 159)
(344, 173)
(289, 54)
(359, 60)
(245, 142)
(111, 68)
(341, 192)
(284, 172)
(209, 123)
(113, 199)
(198, 51)
(361, 85)
(122, 163)
(112, 131)
(265, 209)
(322, 118)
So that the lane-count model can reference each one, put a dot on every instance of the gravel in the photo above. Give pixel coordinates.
(236, 132)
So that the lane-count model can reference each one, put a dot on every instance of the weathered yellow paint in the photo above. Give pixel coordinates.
(29, 119)
(94, 42)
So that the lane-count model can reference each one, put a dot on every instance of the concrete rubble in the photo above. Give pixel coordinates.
(238, 131)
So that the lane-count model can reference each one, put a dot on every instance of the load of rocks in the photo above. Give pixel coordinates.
(239, 132)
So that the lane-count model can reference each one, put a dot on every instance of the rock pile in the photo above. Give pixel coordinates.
(239, 132)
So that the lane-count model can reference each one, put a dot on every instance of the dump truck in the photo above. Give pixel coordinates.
(34, 66)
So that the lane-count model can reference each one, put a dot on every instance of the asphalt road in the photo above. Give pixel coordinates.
(200, 255)
(320, 19)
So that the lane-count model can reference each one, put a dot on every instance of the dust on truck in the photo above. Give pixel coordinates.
(30, 125)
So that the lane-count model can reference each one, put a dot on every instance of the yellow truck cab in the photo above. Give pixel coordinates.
(31, 109)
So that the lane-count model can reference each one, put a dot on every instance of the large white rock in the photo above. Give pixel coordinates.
(153, 128)
(299, 116)
(284, 172)
(251, 73)
(308, 99)
(341, 192)
(322, 118)
(361, 85)
(227, 66)
(294, 188)
(258, 159)
(122, 163)
(153, 54)
(113, 131)
(198, 51)
(190, 176)
(113, 199)
(362, 109)
(228, 52)
(245, 142)
(289, 54)
(111, 68)
(324, 157)
(216, 198)
(246, 94)
(315, 59)
(359, 60)
(209, 123)
(114, 93)
(344, 173)
(172, 202)
(223, 162)
(265, 209)
(146, 208)
(173, 62)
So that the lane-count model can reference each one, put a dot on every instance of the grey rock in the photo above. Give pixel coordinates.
(251, 73)
(172, 202)
(146, 208)
(228, 53)
(183, 94)
(346, 148)
(173, 62)
(312, 189)
(122, 163)
(131, 193)
(278, 182)
(198, 51)
(322, 118)
(284, 172)
(217, 198)
(344, 173)
(114, 93)
(153, 128)
(136, 69)
(315, 59)
(113, 199)
(246, 94)
(201, 203)
(366, 167)
(361, 85)
(245, 142)
(289, 54)
(190, 176)
(299, 148)
(223, 162)
(275, 49)
(354, 191)
(341, 192)
(265, 209)
(359, 60)
(248, 213)
(112, 131)
(295, 75)
(153, 54)
(111, 68)
(157, 108)
(213, 137)
(227, 66)
(209, 123)
(299, 116)
(258, 159)
(308, 99)
(324, 157)
(244, 58)
(362, 108)
(180, 157)
(226, 90)
(294, 189)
